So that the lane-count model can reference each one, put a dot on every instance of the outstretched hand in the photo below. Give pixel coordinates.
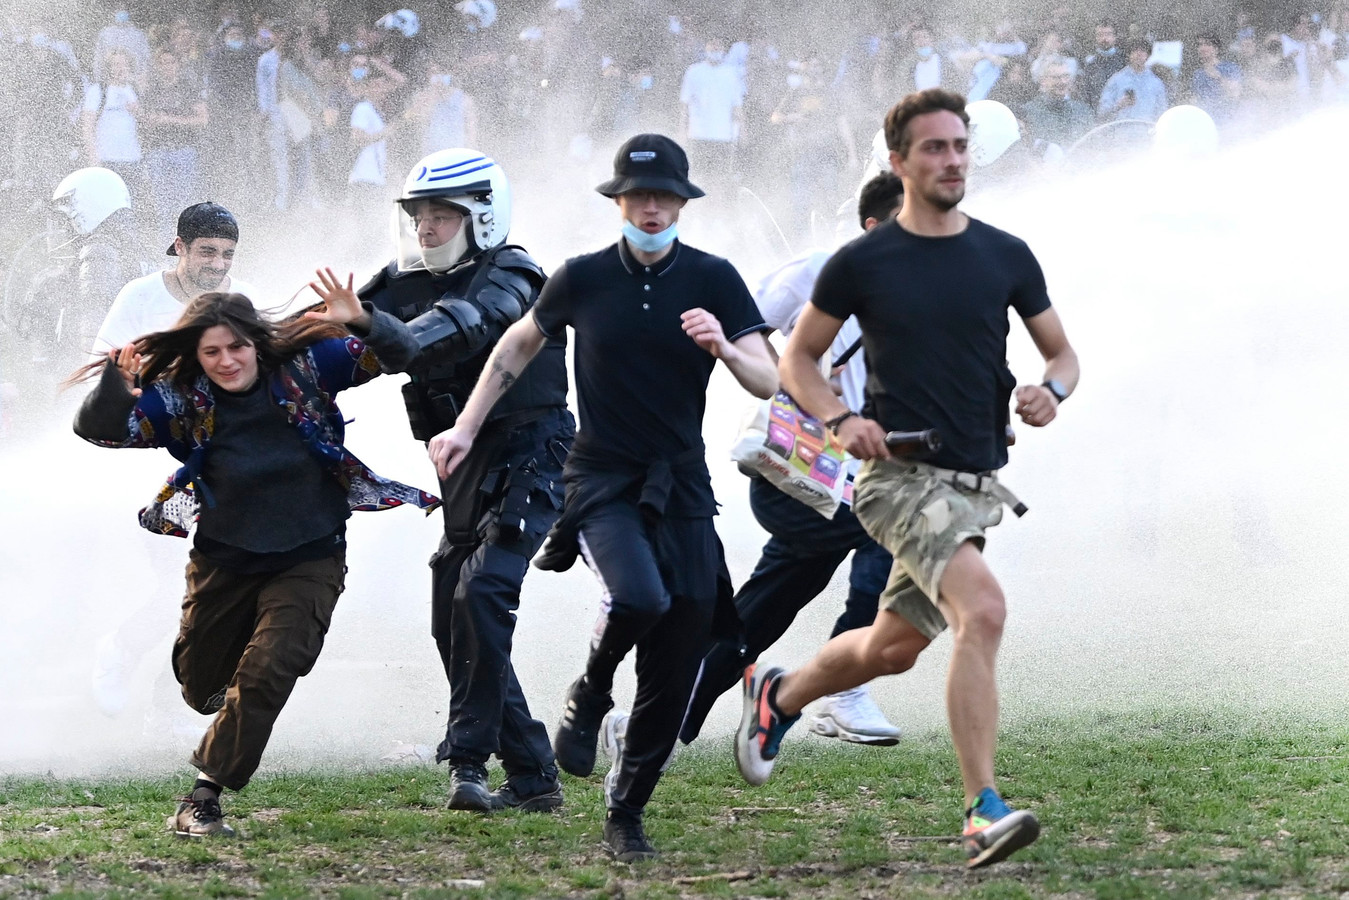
(341, 306)
(128, 363)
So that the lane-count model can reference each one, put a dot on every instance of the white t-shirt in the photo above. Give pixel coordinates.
(145, 305)
(927, 73)
(712, 94)
(370, 164)
(783, 294)
(115, 137)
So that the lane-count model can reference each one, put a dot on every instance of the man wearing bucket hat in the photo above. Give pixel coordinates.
(652, 316)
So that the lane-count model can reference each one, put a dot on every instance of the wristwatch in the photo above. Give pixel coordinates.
(1056, 389)
(832, 424)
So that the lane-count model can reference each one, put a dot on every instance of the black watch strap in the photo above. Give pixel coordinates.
(1055, 388)
(838, 420)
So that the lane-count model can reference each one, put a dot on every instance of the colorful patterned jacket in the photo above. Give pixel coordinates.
(182, 422)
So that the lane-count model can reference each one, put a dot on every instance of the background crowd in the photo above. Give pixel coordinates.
(326, 107)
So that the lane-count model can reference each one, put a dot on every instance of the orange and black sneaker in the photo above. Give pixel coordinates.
(994, 831)
(762, 726)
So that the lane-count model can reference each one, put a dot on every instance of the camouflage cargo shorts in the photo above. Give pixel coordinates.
(922, 520)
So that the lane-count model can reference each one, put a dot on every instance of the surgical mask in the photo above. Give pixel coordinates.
(925, 52)
(715, 56)
(650, 243)
(235, 43)
(359, 72)
(795, 80)
(646, 82)
(121, 17)
(445, 80)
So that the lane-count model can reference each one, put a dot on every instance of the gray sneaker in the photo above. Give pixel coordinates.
(613, 737)
(199, 816)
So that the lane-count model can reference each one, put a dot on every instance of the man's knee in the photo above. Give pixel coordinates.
(981, 615)
(895, 652)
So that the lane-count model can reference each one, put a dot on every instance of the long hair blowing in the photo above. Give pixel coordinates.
(172, 354)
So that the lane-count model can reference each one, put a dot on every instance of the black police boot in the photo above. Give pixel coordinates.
(545, 799)
(468, 787)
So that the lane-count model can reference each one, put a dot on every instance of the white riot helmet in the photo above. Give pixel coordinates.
(1185, 132)
(404, 21)
(462, 179)
(993, 129)
(86, 197)
(478, 14)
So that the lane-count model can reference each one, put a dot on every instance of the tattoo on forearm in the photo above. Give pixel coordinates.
(507, 378)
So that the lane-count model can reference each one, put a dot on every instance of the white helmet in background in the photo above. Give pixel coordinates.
(86, 197)
(466, 180)
(403, 21)
(993, 129)
(1185, 131)
(478, 14)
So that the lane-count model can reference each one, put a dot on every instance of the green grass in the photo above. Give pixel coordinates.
(1181, 804)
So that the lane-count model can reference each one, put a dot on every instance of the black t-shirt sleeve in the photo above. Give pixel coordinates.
(1030, 296)
(553, 310)
(835, 290)
(736, 310)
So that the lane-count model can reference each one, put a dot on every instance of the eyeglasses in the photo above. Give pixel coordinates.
(439, 220)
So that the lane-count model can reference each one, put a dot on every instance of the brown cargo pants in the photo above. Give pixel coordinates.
(243, 642)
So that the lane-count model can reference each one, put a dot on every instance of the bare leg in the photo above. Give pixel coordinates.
(886, 647)
(974, 606)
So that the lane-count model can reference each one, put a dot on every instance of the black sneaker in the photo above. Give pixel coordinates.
(574, 743)
(468, 787)
(199, 816)
(624, 838)
(545, 800)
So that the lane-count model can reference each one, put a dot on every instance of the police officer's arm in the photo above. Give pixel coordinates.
(747, 357)
(520, 344)
(801, 377)
(1036, 404)
(457, 328)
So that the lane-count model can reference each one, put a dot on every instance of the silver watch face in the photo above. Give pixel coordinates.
(1056, 389)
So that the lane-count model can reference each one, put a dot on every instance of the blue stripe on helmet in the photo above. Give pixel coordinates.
(488, 165)
(460, 164)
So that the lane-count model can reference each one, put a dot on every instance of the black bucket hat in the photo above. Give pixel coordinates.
(651, 162)
(205, 220)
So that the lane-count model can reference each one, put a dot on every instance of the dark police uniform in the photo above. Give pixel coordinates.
(639, 500)
(499, 504)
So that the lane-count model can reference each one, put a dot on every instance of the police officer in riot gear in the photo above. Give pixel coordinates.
(459, 285)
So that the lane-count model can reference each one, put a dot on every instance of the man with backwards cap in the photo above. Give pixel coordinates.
(652, 316)
(206, 237)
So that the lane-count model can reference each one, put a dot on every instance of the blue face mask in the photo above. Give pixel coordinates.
(234, 44)
(646, 82)
(924, 52)
(650, 243)
(121, 17)
(359, 73)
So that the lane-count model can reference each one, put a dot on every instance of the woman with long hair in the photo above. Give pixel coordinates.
(247, 406)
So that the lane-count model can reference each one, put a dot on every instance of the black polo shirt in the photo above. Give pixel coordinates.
(641, 382)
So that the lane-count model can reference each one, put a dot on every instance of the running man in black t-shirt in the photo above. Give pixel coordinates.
(651, 317)
(931, 291)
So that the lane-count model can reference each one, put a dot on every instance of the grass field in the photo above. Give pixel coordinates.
(1181, 804)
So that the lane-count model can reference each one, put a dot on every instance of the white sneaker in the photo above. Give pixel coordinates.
(108, 681)
(853, 716)
(613, 735)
